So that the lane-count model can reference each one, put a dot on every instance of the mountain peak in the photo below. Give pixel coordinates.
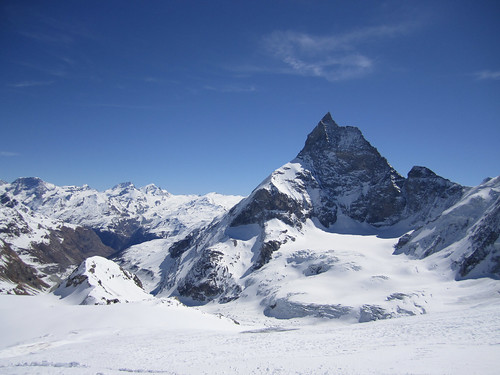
(421, 172)
(28, 182)
(34, 185)
(352, 173)
(330, 141)
(327, 119)
(321, 136)
(124, 185)
(99, 281)
(152, 189)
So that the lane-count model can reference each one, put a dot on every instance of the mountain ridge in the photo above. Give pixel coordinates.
(336, 217)
(339, 182)
(54, 227)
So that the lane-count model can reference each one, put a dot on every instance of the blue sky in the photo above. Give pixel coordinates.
(200, 96)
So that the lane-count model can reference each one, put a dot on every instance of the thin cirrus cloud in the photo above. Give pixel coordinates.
(231, 89)
(53, 38)
(25, 84)
(57, 70)
(332, 57)
(8, 154)
(487, 75)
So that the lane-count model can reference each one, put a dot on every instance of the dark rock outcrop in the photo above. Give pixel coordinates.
(467, 233)
(25, 279)
(68, 247)
(352, 176)
(50, 245)
(209, 278)
(484, 235)
(428, 194)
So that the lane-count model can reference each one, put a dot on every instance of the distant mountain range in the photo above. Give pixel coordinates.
(334, 233)
(46, 230)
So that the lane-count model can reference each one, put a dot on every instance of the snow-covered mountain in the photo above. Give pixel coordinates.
(334, 233)
(121, 216)
(465, 237)
(325, 223)
(46, 230)
(35, 250)
(99, 281)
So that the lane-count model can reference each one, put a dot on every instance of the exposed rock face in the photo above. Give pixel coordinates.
(352, 176)
(16, 277)
(68, 246)
(428, 194)
(266, 204)
(467, 234)
(484, 258)
(209, 278)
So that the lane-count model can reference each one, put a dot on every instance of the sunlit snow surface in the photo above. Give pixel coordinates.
(458, 334)
(42, 335)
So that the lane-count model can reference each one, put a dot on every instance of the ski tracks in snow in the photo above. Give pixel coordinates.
(460, 341)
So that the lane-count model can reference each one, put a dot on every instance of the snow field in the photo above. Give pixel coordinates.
(320, 270)
(43, 335)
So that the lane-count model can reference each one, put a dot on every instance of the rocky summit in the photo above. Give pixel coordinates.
(352, 177)
(339, 174)
(338, 183)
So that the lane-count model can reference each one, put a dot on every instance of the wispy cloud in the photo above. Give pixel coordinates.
(8, 154)
(122, 106)
(55, 31)
(58, 70)
(52, 38)
(25, 84)
(231, 89)
(487, 75)
(152, 80)
(57, 40)
(332, 57)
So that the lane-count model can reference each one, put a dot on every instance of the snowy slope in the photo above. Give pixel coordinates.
(465, 237)
(41, 335)
(99, 281)
(37, 250)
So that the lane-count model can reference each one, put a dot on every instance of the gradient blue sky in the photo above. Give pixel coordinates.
(200, 96)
